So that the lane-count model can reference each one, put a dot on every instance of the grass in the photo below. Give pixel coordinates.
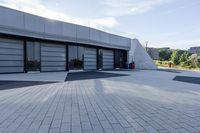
(166, 65)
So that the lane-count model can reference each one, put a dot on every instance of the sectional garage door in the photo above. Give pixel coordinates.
(90, 59)
(108, 57)
(53, 57)
(11, 56)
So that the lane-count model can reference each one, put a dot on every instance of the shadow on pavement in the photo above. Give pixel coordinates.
(169, 70)
(194, 80)
(6, 85)
(91, 75)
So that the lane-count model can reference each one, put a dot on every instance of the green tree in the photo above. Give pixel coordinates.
(184, 57)
(194, 60)
(164, 55)
(175, 57)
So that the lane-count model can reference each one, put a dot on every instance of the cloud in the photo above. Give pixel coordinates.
(127, 7)
(37, 8)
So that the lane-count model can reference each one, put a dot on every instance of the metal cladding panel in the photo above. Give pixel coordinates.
(108, 59)
(53, 68)
(53, 27)
(19, 23)
(9, 63)
(105, 37)
(94, 35)
(83, 33)
(69, 30)
(114, 39)
(15, 44)
(90, 59)
(53, 57)
(34, 23)
(2, 16)
(11, 69)
(11, 56)
(125, 41)
(11, 18)
(54, 64)
(53, 54)
(4, 51)
(52, 48)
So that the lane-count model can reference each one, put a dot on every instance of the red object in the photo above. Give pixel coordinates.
(132, 66)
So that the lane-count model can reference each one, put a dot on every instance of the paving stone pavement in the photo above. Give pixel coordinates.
(128, 104)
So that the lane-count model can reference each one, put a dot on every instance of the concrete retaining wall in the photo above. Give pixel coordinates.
(139, 55)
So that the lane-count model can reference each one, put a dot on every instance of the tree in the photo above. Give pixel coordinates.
(164, 55)
(184, 57)
(194, 59)
(175, 57)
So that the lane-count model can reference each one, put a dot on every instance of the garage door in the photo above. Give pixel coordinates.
(108, 57)
(90, 59)
(11, 56)
(53, 57)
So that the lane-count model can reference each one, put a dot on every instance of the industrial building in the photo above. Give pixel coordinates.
(32, 43)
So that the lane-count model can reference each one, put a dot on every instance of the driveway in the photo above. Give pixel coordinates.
(111, 102)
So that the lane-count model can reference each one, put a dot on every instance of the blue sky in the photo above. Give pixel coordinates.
(163, 23)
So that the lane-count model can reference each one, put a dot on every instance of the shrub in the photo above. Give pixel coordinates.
(175, 57)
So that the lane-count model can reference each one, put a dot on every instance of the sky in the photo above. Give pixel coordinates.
(163, 23)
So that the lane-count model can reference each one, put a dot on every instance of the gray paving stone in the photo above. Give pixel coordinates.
(76, 129)
(138, 127)
(105, 125)
(65, 127)
(44, 129)
(135, 103)
(124, 123)
(150, 129)
(118, 128)
(98, 129)
(88, 131)
(109, 130)
(86, 126)
(130, 130)
(56, 124)
(54, 130)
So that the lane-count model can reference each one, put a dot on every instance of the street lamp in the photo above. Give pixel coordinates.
(146, 44)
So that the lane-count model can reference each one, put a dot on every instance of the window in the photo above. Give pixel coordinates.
(76, 54)
(33, 56)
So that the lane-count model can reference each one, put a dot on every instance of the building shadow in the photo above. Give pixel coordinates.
(91, 75)
(6, 85)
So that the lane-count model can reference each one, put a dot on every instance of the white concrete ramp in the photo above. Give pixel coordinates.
(139, 55)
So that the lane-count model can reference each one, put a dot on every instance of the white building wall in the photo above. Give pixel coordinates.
(139, 55)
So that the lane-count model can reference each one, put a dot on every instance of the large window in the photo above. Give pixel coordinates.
(76, 55)
(120, 59)
(33, 56)
(100, 59)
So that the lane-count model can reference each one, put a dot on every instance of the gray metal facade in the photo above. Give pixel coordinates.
(90, 59)
(53, 57)
(108, 59)
(19, 23)
(53, 38)
(11, 56)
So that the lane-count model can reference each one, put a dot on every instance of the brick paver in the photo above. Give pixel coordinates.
(113, 105)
